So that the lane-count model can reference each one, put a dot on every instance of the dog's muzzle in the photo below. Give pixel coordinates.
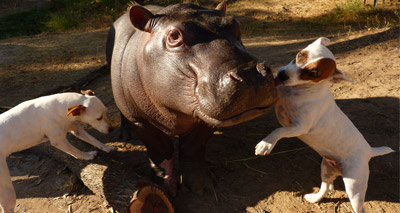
(282, 76)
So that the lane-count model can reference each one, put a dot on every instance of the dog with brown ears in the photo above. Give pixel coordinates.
(49, 118)
(306, 109)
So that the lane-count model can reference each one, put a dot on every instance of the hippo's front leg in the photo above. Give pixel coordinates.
(160, 150)
(192, 159)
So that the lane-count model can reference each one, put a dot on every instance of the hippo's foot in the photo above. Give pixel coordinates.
(196, 180)
(170, 177)
(170, 184)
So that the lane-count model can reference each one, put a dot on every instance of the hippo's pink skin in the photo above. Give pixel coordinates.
(182, 71)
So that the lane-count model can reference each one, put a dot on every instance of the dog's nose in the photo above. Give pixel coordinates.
(282, 76)
(110, 129)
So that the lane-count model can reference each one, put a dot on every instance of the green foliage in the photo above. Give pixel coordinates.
(349, 9)
(61, 22)
(62, 15)
(25, 23)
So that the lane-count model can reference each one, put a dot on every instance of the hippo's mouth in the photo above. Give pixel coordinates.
(242, 117)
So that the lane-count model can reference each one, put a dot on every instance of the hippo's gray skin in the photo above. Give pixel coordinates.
(182, 72)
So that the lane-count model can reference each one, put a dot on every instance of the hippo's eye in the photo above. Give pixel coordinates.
(99, 118)
(174, 38)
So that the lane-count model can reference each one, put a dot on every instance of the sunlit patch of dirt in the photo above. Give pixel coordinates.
(30, 66)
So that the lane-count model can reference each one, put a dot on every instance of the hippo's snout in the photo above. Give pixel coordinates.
(242, 93)
(261, 69)
(235, 76)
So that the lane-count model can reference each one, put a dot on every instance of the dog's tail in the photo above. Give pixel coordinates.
(382, 150)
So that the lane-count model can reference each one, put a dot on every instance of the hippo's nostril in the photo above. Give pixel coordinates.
(282, 76)
(235, 76)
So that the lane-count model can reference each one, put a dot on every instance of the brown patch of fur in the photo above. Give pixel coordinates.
(325, 68)
(87, 92)
(283, 115)
(332, 164)
(75, 110)
(302, 57)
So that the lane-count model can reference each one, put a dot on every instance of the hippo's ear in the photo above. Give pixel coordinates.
(139, 17)
(222, 6)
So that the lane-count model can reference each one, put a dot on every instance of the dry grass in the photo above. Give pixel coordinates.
(256, 16)
(259, 17)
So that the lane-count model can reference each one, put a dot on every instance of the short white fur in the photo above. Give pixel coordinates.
(307, 110)
(35, 121)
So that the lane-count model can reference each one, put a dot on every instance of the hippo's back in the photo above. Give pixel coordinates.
(118, 37)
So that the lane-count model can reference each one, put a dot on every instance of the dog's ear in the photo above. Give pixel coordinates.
(323, 41)
(76, 110)
(87, 92)
(339, 76)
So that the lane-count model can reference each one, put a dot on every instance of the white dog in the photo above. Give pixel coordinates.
(306, 109)
(48, 118)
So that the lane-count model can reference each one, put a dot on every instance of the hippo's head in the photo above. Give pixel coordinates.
(205, 70)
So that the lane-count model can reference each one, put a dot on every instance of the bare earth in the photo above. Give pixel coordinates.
(33, 66)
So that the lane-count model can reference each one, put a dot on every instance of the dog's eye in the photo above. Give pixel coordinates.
(314, 73)
(99, 118)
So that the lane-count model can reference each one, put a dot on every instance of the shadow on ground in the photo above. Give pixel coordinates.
(242, 180)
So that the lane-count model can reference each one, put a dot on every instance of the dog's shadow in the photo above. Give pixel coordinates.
(243, 180)
(34, 174)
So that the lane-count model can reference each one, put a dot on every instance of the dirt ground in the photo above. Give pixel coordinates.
(36, 65)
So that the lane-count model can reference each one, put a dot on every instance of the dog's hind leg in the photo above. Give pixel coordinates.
(329, 173)
(356, 183)
(7, 193)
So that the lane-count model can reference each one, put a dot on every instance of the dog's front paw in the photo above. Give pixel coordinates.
(313, 198)
(108, 148)
(263, 148)
(90, 155)
(331, 187)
